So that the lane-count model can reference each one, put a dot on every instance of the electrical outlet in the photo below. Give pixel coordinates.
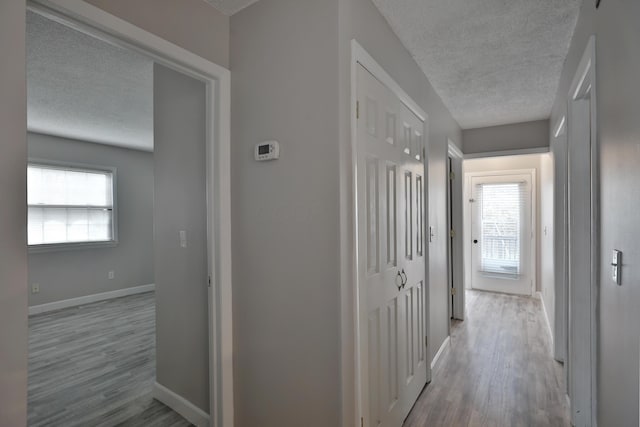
(112, 275)
(35, 288)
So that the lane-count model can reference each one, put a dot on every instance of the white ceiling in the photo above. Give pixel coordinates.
(492, 62)
(84, 88)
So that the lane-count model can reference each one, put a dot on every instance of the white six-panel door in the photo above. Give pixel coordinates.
(391, 254)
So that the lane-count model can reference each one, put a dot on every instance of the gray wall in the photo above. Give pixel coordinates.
(182, 310)
(516, 136)
(291, 82)
(618, 108)
(285, 214)
(13, 216)
(73, 273)
(194, 25)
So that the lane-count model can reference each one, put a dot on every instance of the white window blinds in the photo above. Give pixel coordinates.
(69, 205)
(502, 213)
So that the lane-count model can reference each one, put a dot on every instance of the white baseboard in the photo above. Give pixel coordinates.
(73, 302)
(182, 406)
(443, 347)
(546, 316)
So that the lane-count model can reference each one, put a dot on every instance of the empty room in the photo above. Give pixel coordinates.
(118, 311)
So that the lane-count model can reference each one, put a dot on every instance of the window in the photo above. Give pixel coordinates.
(70, 205)
(502, 207)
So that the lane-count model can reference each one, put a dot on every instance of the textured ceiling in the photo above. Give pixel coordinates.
(229, 7)
(492, 62)
(84, 88)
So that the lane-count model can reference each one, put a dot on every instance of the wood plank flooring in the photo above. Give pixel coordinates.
(498, 371)
(94, 365)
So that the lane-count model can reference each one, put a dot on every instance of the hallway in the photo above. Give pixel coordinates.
(498, 370)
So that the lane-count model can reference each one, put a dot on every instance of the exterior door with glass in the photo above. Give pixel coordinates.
(502, 233)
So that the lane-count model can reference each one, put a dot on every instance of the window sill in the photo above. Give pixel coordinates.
(59, 247)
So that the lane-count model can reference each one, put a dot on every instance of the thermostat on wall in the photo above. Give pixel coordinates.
(268, 150)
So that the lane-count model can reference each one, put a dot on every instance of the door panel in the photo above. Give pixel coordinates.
(390, 200)
(502, 233)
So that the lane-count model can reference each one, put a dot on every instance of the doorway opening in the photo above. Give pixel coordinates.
(126, 244)
(455, 226)
(504, 210)
(502, 231)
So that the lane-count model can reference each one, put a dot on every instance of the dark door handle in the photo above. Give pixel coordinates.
(475, 241)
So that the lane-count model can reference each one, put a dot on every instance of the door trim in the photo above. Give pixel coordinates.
(90, 19)
(458, 225)
(534, 219)
(583, 86)
(559, 144)
(350, 330)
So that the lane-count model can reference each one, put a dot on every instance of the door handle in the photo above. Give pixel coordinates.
(401, 285)
(404, 279)
(475, 241)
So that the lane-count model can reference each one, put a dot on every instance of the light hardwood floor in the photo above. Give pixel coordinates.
(498, 371)
(94, 365)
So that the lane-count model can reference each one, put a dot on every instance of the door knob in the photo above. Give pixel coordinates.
(475, 241)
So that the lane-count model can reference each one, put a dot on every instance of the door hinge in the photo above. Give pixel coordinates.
(452, 176)
(426, 341)
(357, 109)
(452, 233)
(361, 422)
(453, 291)
(209, 281)
(424, 153)
(472, 200)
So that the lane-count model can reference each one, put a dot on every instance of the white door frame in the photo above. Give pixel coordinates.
(93, 20)
(352, 399)
(455, 244)
(583, 299)
(559, 148)
(534, 218)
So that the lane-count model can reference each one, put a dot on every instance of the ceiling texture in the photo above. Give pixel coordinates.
(84, 88)
(492, 62)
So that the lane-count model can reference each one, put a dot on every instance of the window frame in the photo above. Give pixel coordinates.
(81, 167)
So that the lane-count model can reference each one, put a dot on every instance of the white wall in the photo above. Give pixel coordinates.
(13, 215)
(132, 259)
(489, 164)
